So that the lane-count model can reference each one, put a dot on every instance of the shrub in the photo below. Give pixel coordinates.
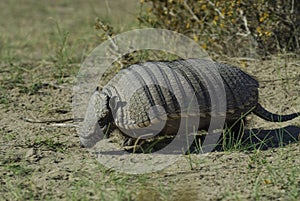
(233, 28)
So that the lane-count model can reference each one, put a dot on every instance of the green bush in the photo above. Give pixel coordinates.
(233, 28)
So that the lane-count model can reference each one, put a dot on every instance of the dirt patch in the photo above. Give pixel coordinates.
(44, 161)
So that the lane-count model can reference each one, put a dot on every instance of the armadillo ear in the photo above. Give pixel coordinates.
(113, 103)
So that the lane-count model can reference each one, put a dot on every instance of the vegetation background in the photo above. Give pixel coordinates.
(254, 28)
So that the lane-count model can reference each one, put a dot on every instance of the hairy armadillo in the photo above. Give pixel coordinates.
(141, 97)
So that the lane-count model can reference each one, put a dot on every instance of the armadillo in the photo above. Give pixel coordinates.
(144, 95)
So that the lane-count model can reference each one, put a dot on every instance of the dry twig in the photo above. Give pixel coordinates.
(51, 120)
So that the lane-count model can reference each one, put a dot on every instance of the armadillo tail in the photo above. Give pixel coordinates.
(266, 115)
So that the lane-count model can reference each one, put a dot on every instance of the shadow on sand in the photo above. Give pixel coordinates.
(264, 139)
(252, 139)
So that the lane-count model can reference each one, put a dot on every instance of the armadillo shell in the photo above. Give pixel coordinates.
(159, 93)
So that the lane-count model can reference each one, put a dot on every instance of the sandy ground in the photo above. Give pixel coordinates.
(44, 161)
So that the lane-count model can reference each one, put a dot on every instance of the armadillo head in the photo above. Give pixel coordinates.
(97, 118)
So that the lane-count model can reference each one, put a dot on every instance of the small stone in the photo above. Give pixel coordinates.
(30, 153)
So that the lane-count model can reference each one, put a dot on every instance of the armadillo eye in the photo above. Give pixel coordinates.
(102, 123)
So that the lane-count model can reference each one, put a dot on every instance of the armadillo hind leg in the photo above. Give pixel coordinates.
(266, 115)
